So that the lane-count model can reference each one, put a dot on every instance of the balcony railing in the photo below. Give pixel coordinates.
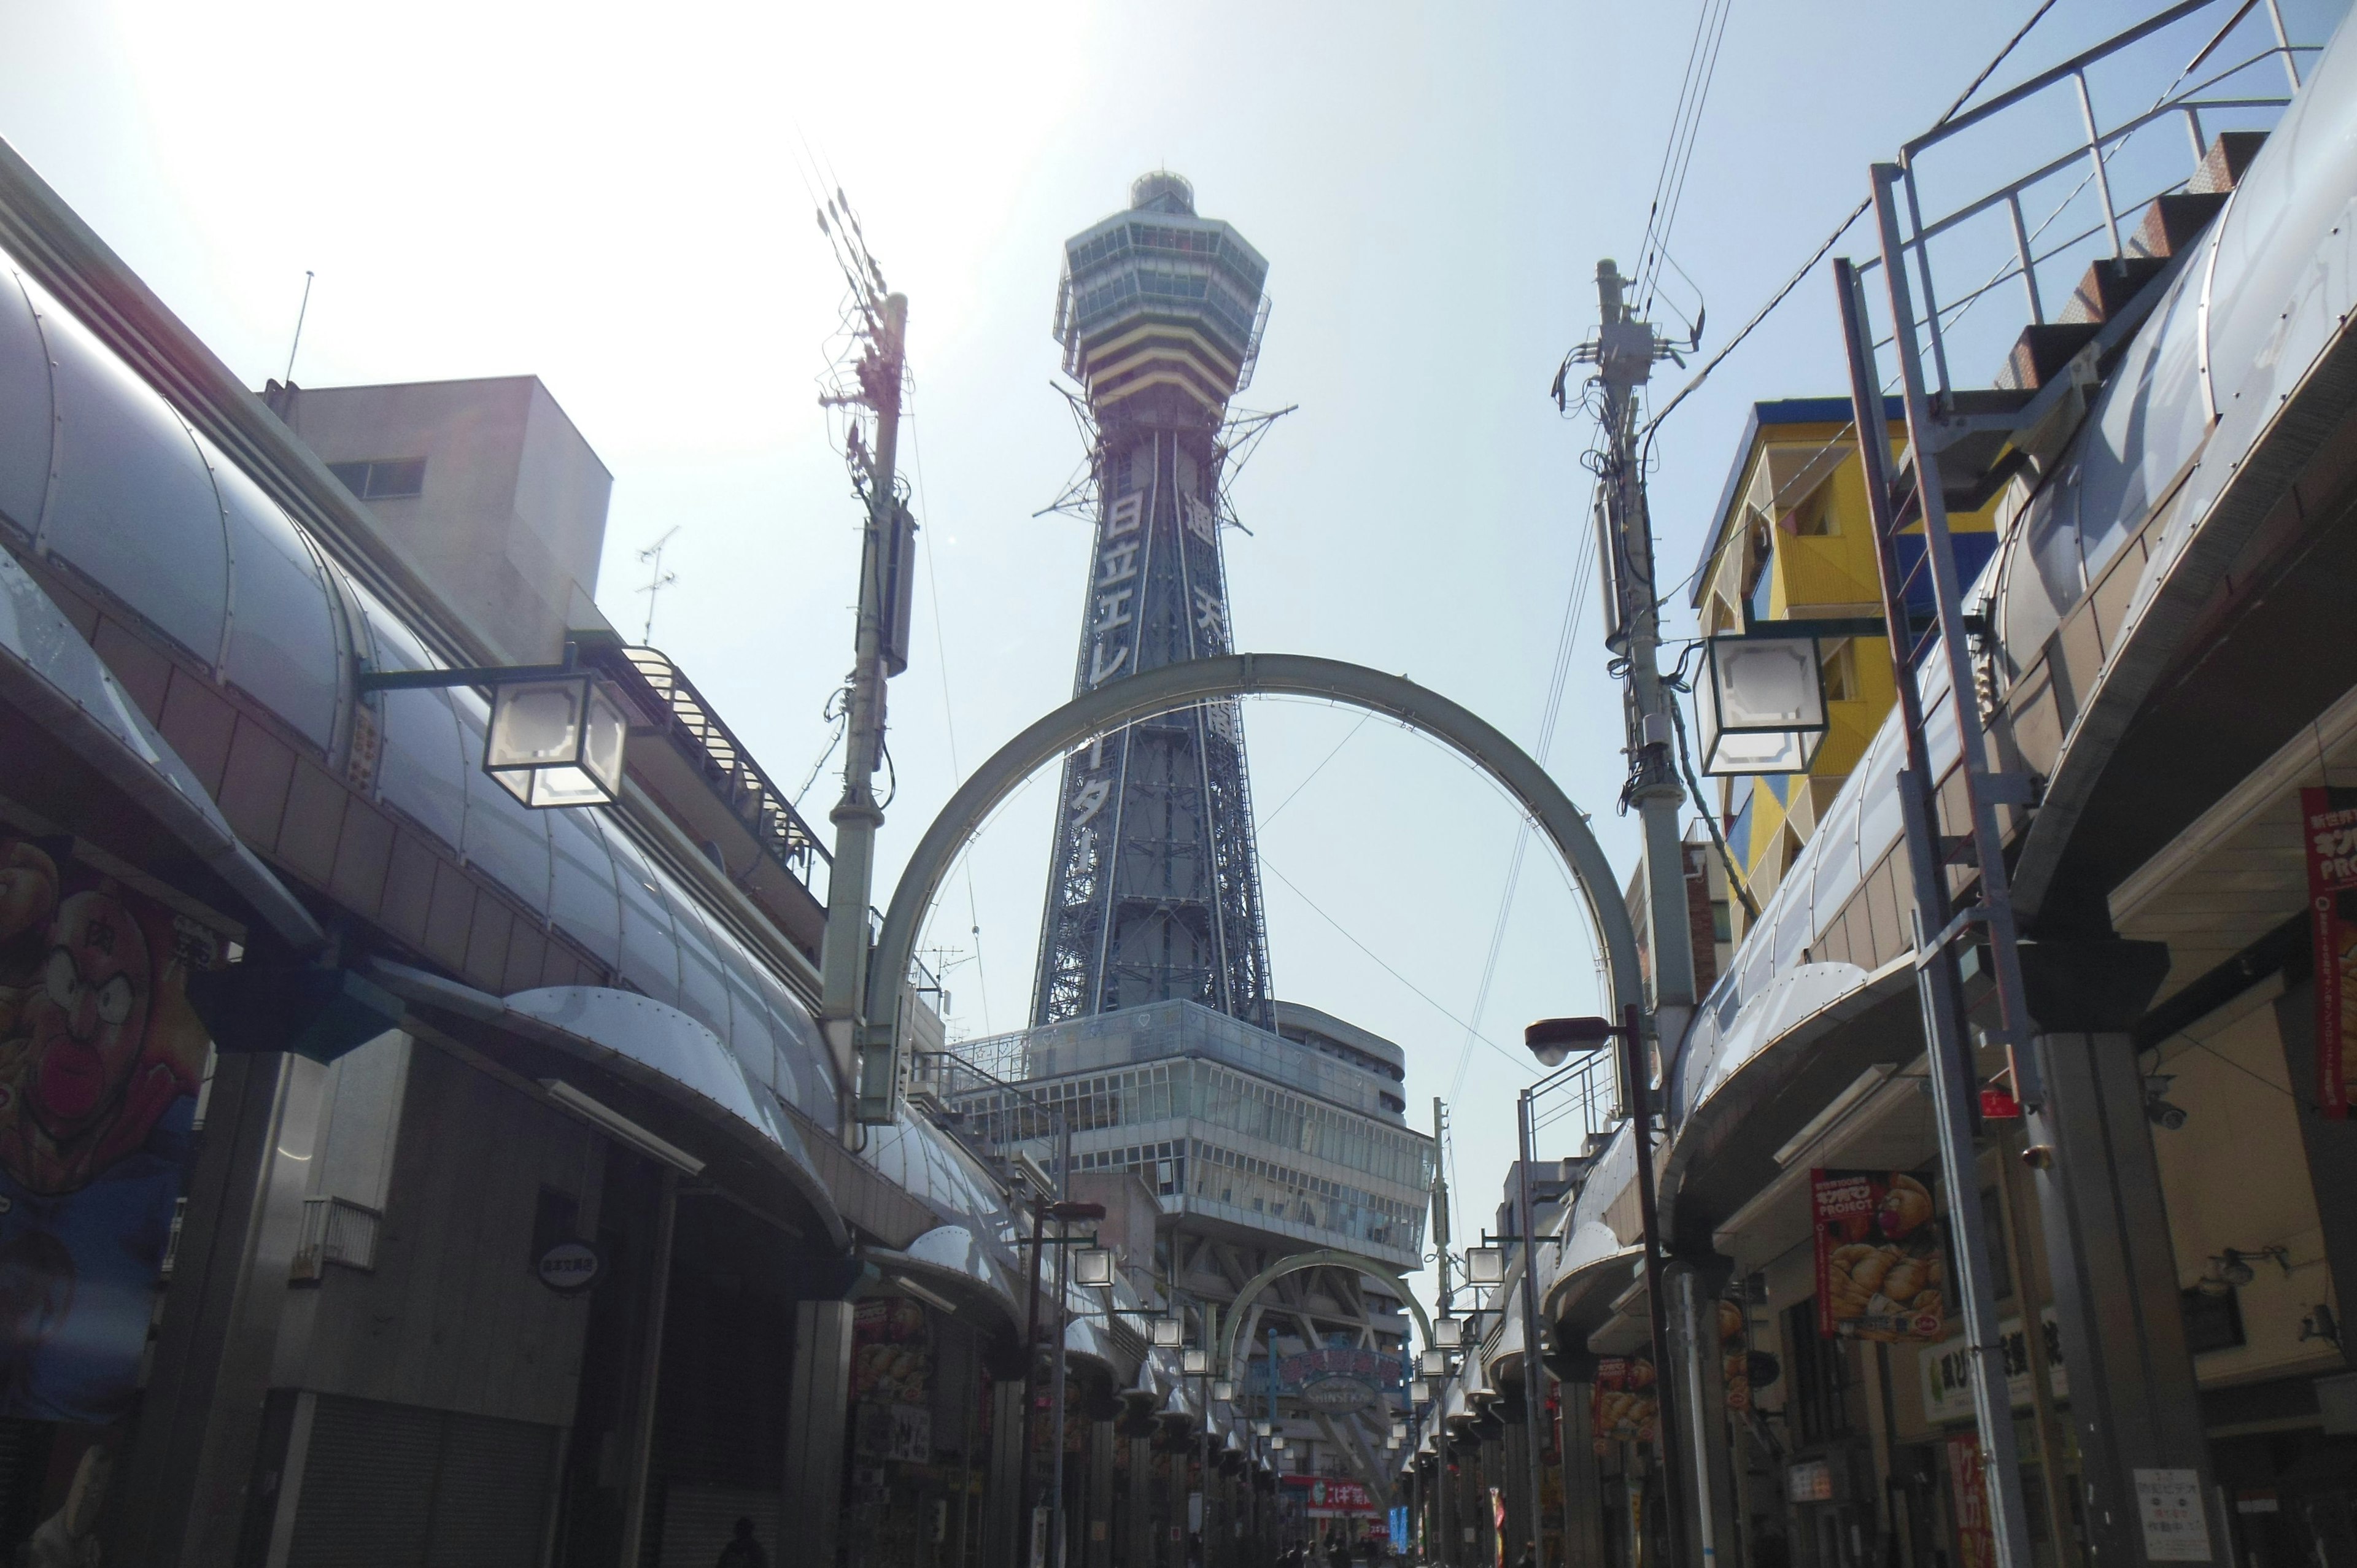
(335, 1230)
(730, 771)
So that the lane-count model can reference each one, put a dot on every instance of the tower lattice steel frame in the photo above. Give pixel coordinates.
(1154, 882)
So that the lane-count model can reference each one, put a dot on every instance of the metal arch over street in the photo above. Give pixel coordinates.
(1153, 692)
(1324, 1257)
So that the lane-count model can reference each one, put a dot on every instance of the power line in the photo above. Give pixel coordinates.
(1314, 772)
(1832, 238)
(1567, 641)
(949, 709)
(1519, 1062)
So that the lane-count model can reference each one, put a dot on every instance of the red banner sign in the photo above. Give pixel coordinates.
(1968, 1502)
(2330, 832)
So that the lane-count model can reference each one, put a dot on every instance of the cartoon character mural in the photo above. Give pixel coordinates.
(101, 1057)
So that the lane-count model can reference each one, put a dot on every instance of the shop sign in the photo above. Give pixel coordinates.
(1881, 1271)
(1339, 1395)
(1946, 1370)
(1968, 1503)
(100, 1055)
(1809, 1481)
(1328, 1497)
(570, 1267)
(2328, 823)
(910, 1437)
(2169, 1504)
(1623, 1400)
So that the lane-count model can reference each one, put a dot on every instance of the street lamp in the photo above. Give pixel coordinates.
(1419, 1392)
(1434, 1364)
(557, 731)
(1447, 1331)
(1552, 1041)
(1485, 1265)
(1195, 1361)
(1224, 1390)
(1092, 1268)
(1169, 1333)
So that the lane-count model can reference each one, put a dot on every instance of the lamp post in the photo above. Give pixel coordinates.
(1552, 1041)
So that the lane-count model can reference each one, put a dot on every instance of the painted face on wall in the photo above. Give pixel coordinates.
(88, 1019)
(29, 888)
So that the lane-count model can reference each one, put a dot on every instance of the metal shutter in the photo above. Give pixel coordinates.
(697, 1521)
(388, 1486)
(368, 1486)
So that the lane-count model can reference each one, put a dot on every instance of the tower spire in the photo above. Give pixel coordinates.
(1154, 884)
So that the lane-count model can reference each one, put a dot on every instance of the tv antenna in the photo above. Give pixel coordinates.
(301, 311)
(657, 581)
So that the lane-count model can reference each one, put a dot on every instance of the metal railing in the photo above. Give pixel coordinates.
(2225, 94)
(335, 1230)
(729, 769)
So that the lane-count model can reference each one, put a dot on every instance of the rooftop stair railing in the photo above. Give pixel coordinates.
(2121, 258)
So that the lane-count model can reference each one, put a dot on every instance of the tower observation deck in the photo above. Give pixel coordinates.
(1153, 887)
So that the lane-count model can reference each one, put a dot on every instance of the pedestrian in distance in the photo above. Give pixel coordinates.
(743, 1551)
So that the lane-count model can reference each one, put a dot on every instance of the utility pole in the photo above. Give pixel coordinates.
(1447, 1300)
(880, 648)
(1624, 351)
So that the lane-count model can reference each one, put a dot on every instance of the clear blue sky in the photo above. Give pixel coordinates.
(613, 197)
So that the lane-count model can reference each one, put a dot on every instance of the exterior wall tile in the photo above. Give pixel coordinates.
(143, 671)
(408, 903)
(198, 722)
(527, 956)
(2110, 600)
(255, 781)
(2079, 645)
(363, 858)
(487, 941)
(1882, 910)
(314, 821)
(451, 915)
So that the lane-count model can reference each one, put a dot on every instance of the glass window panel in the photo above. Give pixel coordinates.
(24, 410)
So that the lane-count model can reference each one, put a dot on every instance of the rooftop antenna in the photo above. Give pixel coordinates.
(303, 310)
(657, 581)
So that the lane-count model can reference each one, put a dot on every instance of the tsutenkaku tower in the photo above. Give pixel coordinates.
(1154, 887)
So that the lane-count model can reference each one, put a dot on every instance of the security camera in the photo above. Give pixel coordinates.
(2156, 1105)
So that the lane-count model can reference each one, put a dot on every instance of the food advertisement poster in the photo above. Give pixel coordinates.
(101, 1057)
(2329, 821)
(1735, 1355)
(1968, 1502)
(891, 1352)
(1624, 1401)
(1881, 1271)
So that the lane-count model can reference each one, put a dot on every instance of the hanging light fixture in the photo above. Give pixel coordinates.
(1169, 1333)
(1485, 1265)
(1225, 1390)
(1447, 1331)
(557, 731)
(1419, 1390)
(1434, 1364)
(1093, 1267)
(1195, 1361)
(1760, 704)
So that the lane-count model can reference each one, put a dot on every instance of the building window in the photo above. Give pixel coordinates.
(1814, 515)
(1841, 673)
(382, 479)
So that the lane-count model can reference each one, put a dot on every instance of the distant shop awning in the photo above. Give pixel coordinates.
(678, 1069)
(950, 1260)
(51, 675)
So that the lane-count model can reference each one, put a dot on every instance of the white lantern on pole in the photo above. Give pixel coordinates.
(1760, 704)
